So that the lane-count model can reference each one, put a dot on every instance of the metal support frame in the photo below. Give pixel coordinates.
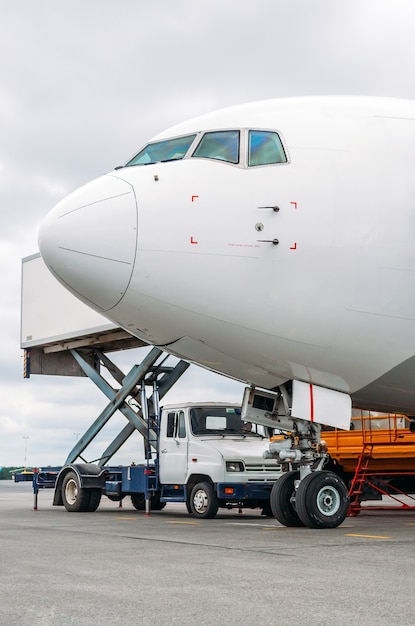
(126, 399)
(303, 436)
(380, 483)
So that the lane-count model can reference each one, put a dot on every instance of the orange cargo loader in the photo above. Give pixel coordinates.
(389, 441)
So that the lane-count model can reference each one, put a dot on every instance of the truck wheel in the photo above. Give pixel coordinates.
(267, 511)
(94, 501)
(115, 497)
(156, 505)
(188, 507)
(74, 497)
(138, 501)
(322, 500)
(282, 506)
(203, 501)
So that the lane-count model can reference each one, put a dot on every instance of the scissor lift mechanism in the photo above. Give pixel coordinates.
(130, 398)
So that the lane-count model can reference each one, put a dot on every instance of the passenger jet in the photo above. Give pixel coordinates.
(272, 242)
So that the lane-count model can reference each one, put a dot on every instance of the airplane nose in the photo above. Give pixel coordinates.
(89, 239)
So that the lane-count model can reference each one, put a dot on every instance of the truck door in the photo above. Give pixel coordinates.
(173, 449)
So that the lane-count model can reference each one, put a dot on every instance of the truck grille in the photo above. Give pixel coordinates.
(262, 468)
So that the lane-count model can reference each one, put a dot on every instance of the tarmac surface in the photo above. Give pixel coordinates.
(118, 567)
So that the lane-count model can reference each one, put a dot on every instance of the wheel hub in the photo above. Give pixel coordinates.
(200, 501)
(71, 491)
(328, 501)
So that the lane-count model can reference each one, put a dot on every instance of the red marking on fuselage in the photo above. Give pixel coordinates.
(311, 404)
(295, 204)
(294, 247)
(193, 198)
(192, 241)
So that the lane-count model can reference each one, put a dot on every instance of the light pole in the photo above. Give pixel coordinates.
(25, 437)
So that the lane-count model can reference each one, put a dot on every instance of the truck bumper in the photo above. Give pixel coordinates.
(244, 491)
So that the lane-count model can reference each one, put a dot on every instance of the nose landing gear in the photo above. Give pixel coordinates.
(320, 500)
(306, 494)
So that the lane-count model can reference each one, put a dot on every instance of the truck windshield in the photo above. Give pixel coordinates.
(215, 420)
(159, 151)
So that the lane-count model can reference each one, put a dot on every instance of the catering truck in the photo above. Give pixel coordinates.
(203, 455)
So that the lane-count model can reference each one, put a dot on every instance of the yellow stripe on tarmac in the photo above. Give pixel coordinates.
(173, 522)
(368, 536)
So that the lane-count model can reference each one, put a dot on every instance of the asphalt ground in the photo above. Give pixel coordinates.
(118, 567)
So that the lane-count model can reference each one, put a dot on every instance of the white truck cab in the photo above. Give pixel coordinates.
(207, 452)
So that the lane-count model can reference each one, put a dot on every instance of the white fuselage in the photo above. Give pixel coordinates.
(192, 256)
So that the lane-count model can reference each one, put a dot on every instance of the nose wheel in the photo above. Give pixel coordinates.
(322, 500)
(282, 499)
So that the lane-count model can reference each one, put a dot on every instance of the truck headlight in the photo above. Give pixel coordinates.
(234, 466)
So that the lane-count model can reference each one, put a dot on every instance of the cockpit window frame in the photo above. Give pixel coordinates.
(193, 137)
(272, 131)
(223, 131)
(198, 136)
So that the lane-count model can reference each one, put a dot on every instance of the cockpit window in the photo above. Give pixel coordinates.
(167, 150)
(265, 148)
(221, 145)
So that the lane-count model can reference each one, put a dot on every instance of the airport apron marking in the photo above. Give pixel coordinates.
(191, 523)
(369, 536)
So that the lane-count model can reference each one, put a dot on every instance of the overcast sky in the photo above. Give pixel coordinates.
(85, 83)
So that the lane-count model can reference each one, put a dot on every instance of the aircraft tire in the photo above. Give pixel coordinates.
(281, 500)
(322, 500)
(74, 497)
(203, 501)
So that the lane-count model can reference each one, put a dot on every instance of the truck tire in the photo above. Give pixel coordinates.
(188, 507)
(94, 500)
(281, 500)
(74, 497)
(322, 500)
(115, 497)
(156, 505)
(139, 502)
(267, 511)
(203, 501)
